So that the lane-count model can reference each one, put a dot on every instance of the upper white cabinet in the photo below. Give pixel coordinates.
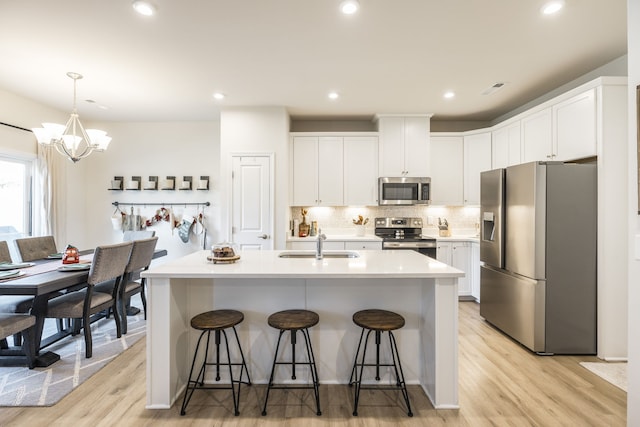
(404, 145)
(564, 131)
(334, 170)
(575, 127)
(317, 171)
(447, 170)
(505, 146)
(360, 170)
(537, 136)
(477, 158)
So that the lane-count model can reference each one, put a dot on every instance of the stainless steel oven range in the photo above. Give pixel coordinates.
(405, 233)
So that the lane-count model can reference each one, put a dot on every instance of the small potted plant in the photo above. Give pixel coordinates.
(360, 222)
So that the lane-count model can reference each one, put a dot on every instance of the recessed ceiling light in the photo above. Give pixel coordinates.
(552, 7)
(144, 7)
(349, 7)
(333, 95)
(219, 95)
(449, 95)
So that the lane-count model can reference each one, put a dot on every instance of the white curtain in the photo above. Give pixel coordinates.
(45, 200)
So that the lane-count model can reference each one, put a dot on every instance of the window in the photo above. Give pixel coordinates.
(15, 198)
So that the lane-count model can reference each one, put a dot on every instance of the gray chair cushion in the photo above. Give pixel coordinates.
(33, 248)
(15, 304)
(70, 305)
(13, 323)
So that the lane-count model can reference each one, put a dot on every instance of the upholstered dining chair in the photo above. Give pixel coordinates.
(33, 248)
(140, 259)
(11, 324)
(109, 263)
(5, 255)
(13, 303)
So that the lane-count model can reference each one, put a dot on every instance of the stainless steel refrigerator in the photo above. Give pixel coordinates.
(538, 245)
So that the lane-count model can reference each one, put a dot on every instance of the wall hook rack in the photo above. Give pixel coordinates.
(116, 204)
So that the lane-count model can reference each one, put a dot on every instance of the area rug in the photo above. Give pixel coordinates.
(46, 386)
(615, 373)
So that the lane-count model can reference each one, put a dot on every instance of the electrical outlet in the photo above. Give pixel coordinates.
(429, 220)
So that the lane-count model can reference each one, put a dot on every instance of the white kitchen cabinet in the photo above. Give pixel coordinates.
(474, 270)
(537, 136)
(477, 158)
(505, 146)
(360, 171)
(355, 245)
(447, 170)
(458, 255)
(575, 127)
(318, 171)
(335, 245)
(404, 145)
(311, 245)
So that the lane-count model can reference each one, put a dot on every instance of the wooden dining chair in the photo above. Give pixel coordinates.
(33, 248)
(109, 263)
(139, 260)
(11, 324)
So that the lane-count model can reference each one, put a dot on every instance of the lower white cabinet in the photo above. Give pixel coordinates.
(474, 274)
(334, 245)
(461, 255)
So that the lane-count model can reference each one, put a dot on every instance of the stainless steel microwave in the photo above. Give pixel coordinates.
(404, 191)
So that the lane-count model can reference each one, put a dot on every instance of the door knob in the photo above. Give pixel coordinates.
(263, 236)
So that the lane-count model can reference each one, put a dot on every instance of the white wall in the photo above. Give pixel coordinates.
(633, 393)
(144, 149)
(257, 130)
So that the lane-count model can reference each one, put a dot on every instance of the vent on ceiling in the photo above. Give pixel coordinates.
(493, 88)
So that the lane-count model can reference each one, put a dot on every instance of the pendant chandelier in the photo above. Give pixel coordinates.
(72, 140)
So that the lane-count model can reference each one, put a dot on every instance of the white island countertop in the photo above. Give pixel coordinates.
(422, 290)
(387, 264)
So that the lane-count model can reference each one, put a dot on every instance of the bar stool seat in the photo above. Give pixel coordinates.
(216, 321)
(378, 321)
(293, 321)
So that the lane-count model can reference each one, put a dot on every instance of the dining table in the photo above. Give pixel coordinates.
(41, 280)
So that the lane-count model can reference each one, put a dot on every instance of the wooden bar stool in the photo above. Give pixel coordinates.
(216, 321)
(378, 321)
(294, 321)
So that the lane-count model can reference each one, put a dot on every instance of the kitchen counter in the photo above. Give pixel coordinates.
(454, 238)
(337, 238)
(423, 290)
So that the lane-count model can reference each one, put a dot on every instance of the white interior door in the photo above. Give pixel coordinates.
(252, 202)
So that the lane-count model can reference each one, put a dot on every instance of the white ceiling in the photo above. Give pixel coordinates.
(394, 56)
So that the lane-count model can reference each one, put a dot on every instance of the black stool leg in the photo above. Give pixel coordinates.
(236, 398)
(244, 363)
(358, 381)
(217, 341)
(355, 361)
(377, 355)
(293, 354)
(187, 394)
(399, 375)
(273, 368)
(313, 368)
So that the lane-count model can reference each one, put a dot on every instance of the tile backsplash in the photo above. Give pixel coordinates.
(462, 219)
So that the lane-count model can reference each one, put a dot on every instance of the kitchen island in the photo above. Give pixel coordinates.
(419, 288)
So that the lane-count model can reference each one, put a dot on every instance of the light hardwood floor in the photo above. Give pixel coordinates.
(501, 384)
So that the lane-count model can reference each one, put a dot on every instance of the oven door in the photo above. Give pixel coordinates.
(428, 248)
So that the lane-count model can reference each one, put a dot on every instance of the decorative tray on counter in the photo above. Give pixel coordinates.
(223, 260)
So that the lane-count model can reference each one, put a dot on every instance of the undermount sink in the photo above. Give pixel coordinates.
(325, 254)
